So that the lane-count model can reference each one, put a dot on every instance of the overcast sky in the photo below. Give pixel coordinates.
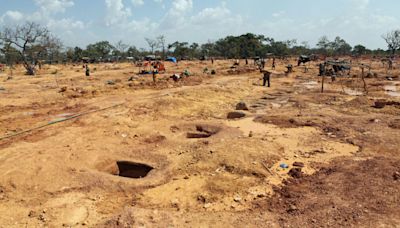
(80, 22)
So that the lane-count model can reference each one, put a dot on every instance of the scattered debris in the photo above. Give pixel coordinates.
(283, 166)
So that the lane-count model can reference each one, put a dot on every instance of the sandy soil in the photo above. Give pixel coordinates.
(298, 157)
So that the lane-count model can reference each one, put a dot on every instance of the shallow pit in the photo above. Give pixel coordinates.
(203, 131)
(132, 169)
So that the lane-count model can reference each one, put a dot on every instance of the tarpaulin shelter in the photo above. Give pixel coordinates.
(171, 59)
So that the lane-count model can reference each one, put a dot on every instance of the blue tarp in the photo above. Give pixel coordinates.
(171, 59)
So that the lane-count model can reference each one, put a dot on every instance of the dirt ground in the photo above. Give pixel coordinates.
(115, 150)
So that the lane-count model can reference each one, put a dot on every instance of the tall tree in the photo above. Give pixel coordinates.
(30, 41)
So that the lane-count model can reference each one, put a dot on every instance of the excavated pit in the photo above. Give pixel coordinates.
(203, 131)
(132, 169)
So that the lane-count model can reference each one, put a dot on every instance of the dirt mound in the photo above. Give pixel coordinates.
(358, 102)
(345, 193)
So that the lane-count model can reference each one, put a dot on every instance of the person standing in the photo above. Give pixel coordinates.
(87, 70)
(262, 63)
(273, 63)
(155, 72)
(267, 78)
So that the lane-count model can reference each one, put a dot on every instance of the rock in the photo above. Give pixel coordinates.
(31, 214)
(236, 115)
(241, 106)
(201, 198)
(63, 89)
(250, 134)
(110, 82)
(2, 88)
(175, 203)
(207, 205)
(292, 208)
(298, 164)
(237, 199)
(295, 173)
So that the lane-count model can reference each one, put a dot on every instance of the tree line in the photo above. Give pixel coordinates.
(32, 44)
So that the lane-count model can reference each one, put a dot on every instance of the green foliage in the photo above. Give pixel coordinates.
(100, 49)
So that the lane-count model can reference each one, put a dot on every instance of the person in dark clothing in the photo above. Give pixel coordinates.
(87, 70)
(155, 72)
(273, 63)
(267, 78)
(247, 62)
(262, 63)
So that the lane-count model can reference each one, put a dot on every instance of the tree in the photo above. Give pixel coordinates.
(181, 49)
(194, 50)
(340, 46)
(99, 50)
(393, 40)
(359, 50)
(10, 55)
(152, 44)
(161, 44)
(324, 45)
(120, 49)
(30, 41)
(133, 52)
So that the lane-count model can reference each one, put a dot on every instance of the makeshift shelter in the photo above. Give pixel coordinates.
(171, 59)
(150, 58)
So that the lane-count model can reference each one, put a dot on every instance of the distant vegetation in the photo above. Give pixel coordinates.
(30, 43)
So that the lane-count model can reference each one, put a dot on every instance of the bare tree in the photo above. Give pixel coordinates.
(152, 44)
(31, 41)
(393, 40)
(121, 47)
(161, 44)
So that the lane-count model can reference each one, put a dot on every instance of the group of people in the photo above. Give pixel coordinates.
(155, 71)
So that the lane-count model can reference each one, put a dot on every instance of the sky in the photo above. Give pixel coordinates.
(81, 22)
